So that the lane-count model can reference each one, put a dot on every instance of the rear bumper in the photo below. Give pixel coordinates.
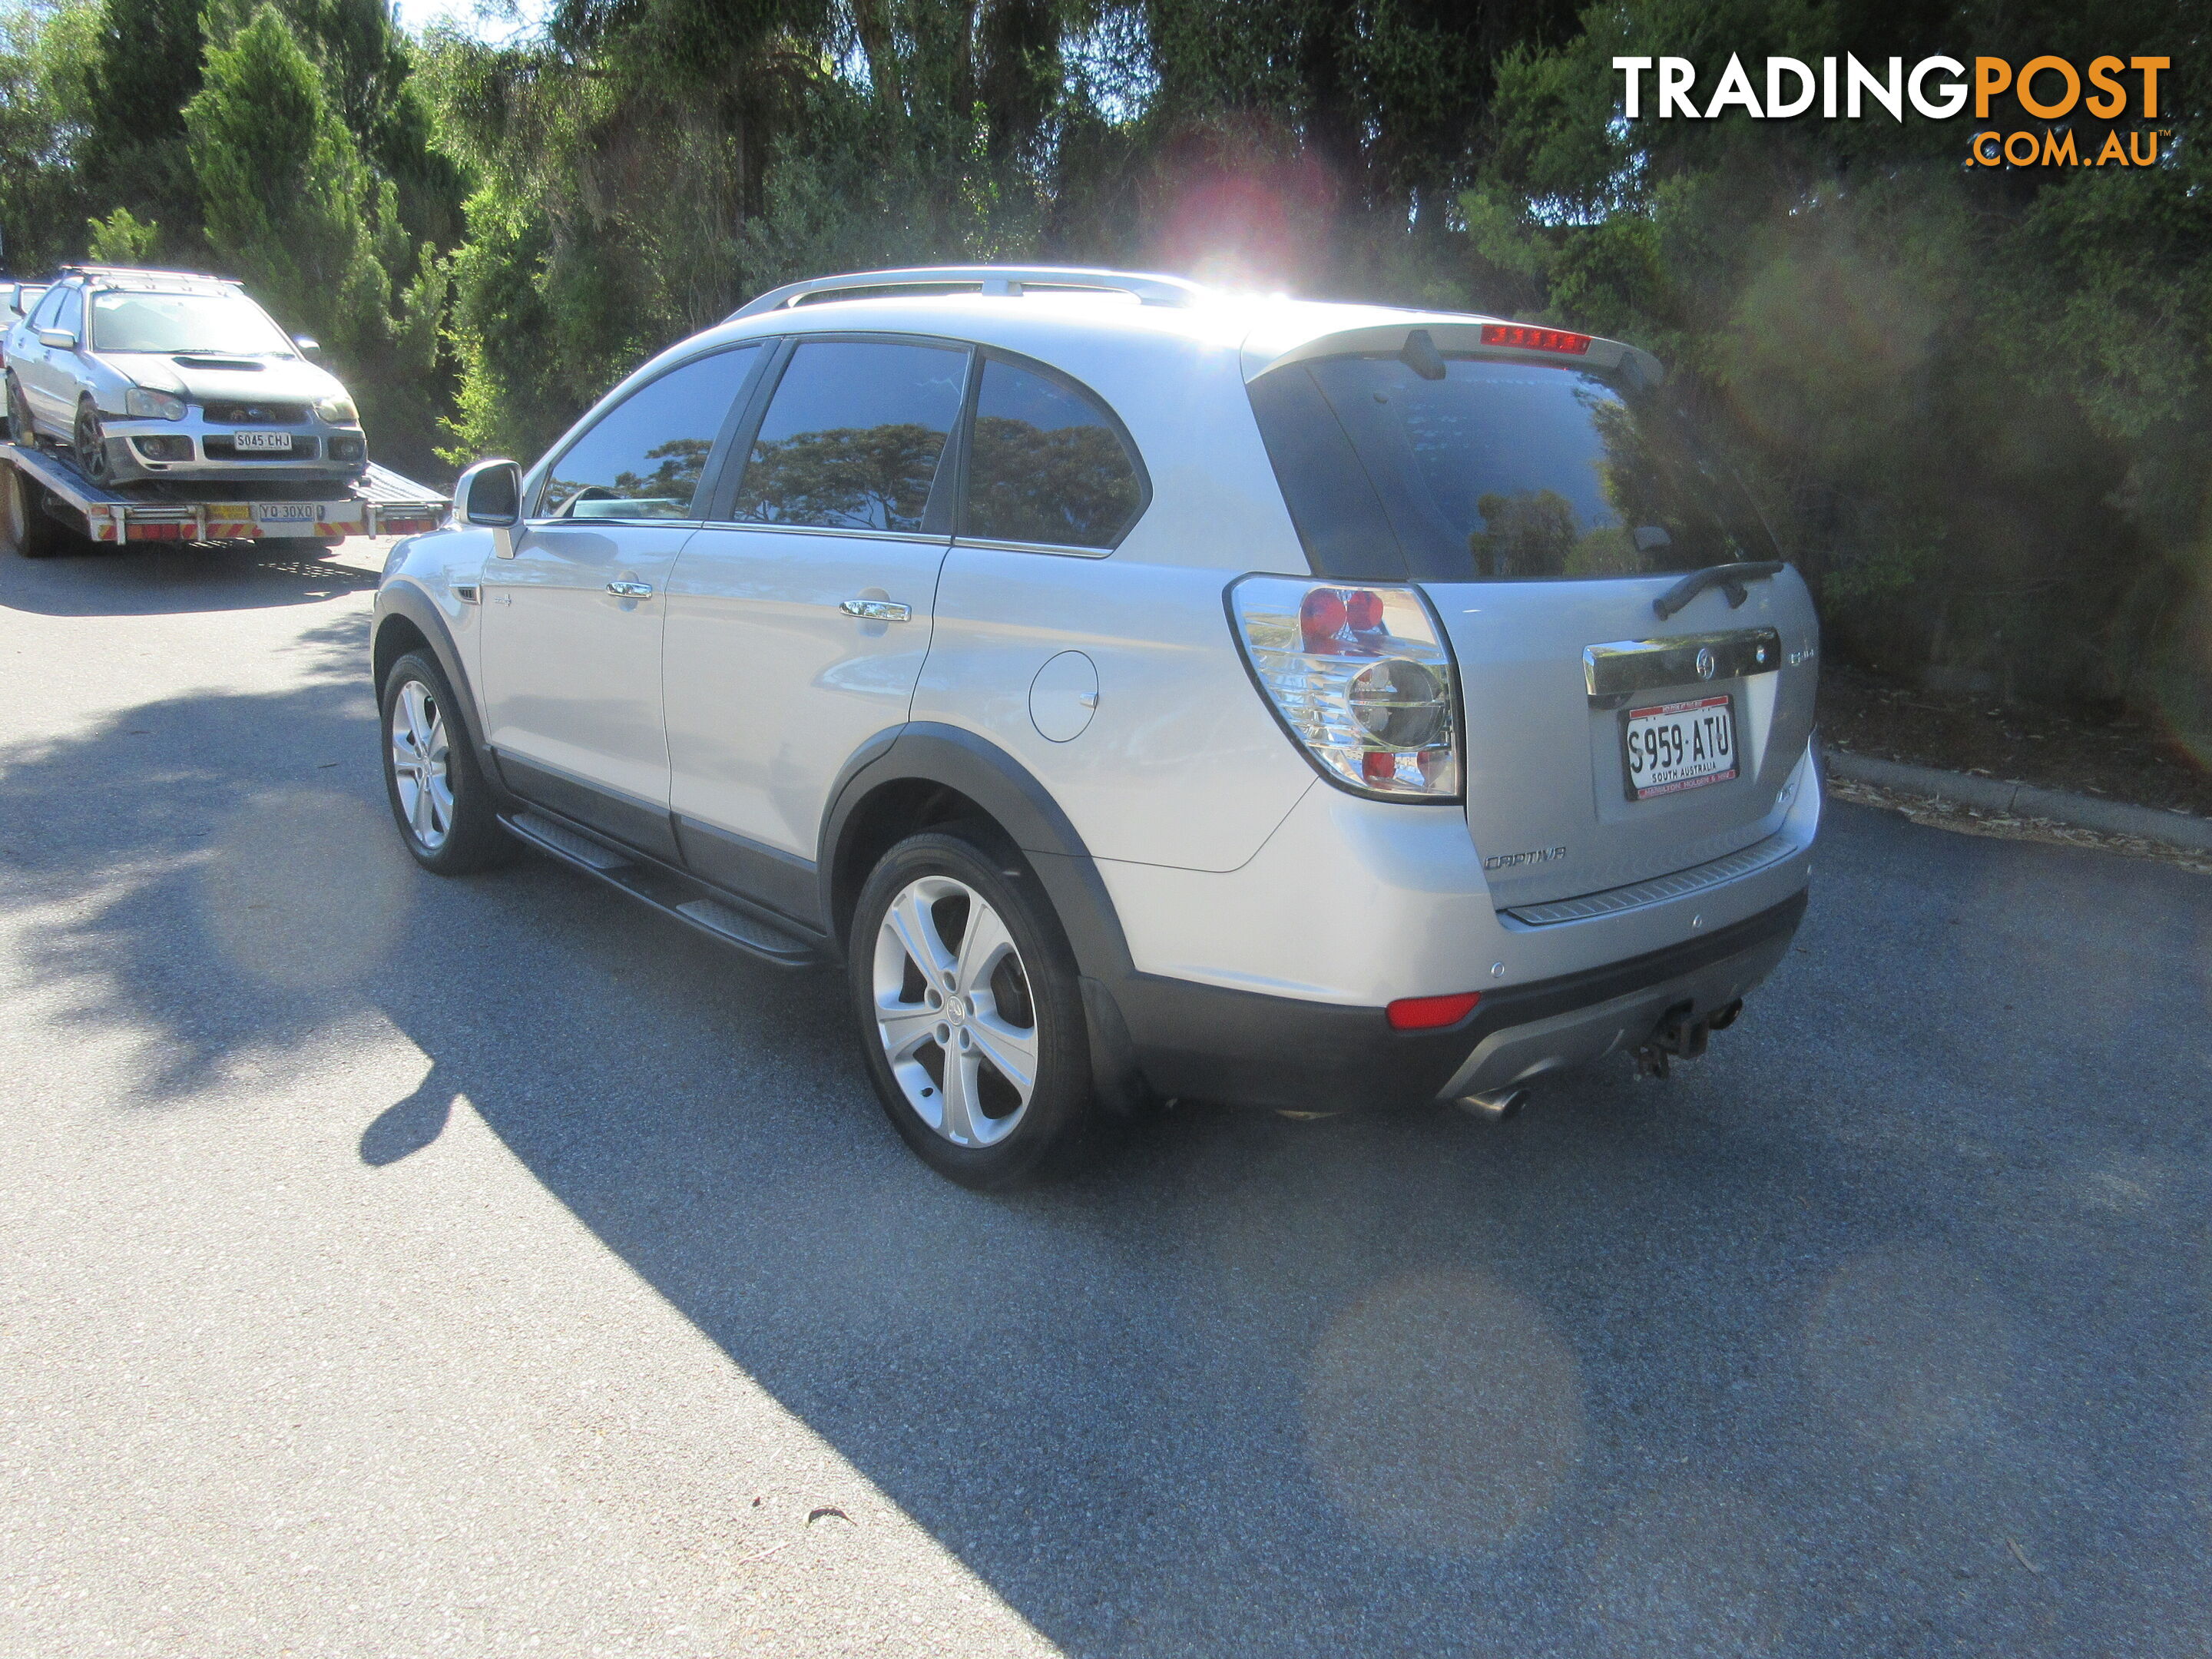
(1241, 1048)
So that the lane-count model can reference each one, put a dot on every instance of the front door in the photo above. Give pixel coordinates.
(572, 622)
(798, 621)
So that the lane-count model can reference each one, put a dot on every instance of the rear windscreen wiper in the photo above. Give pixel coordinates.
(1729, 578)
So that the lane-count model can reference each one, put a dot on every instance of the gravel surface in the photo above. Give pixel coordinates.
(391, 1267)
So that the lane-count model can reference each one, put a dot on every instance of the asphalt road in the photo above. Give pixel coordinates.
(392, 1267)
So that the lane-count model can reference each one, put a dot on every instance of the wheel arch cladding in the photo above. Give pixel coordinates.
(926, 775)
(407, 620)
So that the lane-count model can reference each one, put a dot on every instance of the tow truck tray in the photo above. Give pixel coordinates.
(380, 503)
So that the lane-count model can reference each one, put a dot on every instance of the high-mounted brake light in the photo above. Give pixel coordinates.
(1535, 339)
(1360, 676)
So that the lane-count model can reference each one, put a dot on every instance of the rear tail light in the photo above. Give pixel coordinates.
(1431, 1014)
(1359, 676)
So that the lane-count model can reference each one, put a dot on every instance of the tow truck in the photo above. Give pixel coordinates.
(47, 507)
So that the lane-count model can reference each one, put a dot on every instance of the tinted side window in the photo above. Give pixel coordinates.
(1333, 502)
(44, 316)
(645, 457)
(1045, 464)
(71, 315)
(852, 438)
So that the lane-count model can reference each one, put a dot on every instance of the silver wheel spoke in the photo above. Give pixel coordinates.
(980, 947)
(916, 929)
(962, 1115)
(905, 1028)
(1012, 1051)
(414, 702)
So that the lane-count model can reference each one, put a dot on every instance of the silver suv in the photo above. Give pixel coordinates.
(148, 374)
(1143, 692)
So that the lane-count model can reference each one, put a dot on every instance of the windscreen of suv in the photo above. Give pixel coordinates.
(224, 324)
(1499, 472)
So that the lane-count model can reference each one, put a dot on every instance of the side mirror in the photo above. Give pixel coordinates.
(59, 338)
(308, 345)
(489, 497)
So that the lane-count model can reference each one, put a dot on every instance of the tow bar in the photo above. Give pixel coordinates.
(1679, 1037)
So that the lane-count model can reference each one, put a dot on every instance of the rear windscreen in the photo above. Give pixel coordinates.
(1499, 472)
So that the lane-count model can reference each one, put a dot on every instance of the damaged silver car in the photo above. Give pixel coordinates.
(146, 374)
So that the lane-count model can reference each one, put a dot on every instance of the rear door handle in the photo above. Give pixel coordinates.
(630, 589)
(878, 610)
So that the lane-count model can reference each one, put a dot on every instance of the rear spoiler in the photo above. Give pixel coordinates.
(1483, 336)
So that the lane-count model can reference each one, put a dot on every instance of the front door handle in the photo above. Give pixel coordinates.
(630, 589)
(878, 610)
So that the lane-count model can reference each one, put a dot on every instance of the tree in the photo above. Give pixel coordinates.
(296, 211)
(1974, 398)
(145, 69)
(122, 239)
(46, 57)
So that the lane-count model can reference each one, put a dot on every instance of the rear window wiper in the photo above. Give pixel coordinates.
(1729, 578)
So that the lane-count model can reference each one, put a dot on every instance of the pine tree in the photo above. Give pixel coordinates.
(298, 215)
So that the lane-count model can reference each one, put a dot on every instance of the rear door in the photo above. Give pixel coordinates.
(1545, 508)
(799, 618)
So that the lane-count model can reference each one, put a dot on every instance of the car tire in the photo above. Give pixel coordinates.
(26, 525)
(88, 446)
(21, 428)
(440, 798)
(962, 979)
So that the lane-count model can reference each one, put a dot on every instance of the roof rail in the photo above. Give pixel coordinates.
(85, 268)
(1010, 280)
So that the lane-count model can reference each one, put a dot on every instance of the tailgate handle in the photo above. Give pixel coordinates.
(1617, 670)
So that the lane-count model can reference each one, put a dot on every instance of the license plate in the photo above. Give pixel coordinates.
(1675, 746)
(288, 513)
(243, 441)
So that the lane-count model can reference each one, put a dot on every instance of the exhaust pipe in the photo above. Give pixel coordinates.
(1494, 1107)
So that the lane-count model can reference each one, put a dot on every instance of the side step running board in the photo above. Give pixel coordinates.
(663, 890)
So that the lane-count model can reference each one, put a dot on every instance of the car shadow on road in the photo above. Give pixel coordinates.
(1813, 1348)
(159, 579)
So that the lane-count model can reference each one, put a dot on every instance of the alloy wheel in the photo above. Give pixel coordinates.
(955, 1013)
(419, 765)
(89, 447)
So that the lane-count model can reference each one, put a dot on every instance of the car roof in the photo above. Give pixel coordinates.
(1035, 309)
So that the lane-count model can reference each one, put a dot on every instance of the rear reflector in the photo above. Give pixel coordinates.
(1535, 339)
(1428, 1013)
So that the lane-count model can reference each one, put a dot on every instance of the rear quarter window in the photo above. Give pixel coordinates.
(1047, 463)
(1499, 472)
